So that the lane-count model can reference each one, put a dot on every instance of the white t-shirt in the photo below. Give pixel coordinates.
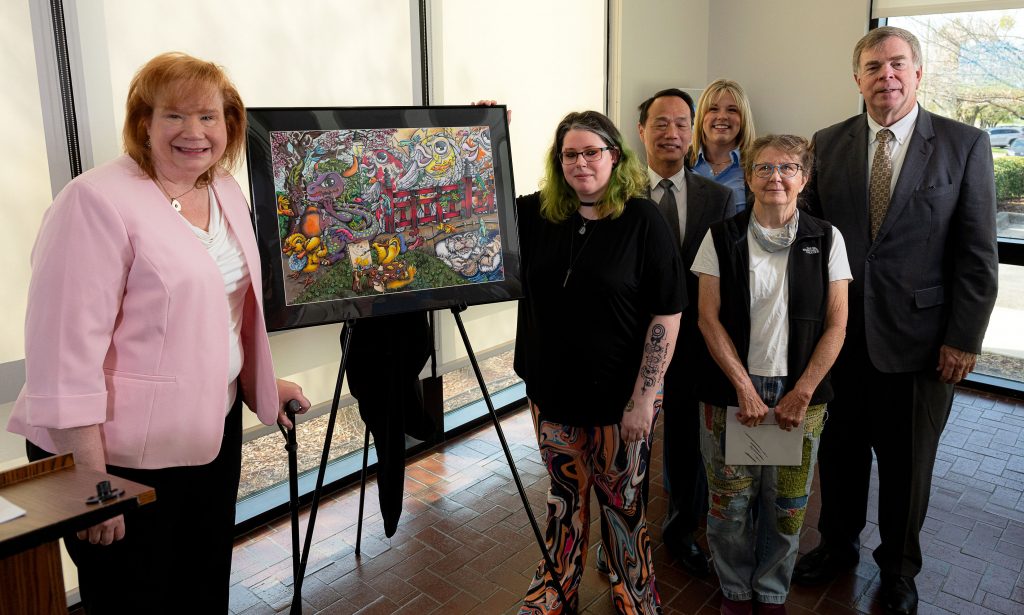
(769, 297)
(225, 250)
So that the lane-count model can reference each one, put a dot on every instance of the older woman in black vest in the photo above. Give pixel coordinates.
(772, 308)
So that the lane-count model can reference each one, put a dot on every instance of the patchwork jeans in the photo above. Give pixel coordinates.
(754, 554)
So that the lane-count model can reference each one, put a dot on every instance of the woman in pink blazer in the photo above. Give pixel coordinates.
(144, 335)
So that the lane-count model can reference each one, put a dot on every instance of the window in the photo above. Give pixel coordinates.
(336, 75)
(974, 73)
(23, 172)
(539, 96)
(274, 58)
(1003, 355)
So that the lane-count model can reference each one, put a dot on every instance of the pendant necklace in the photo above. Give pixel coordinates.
(175, 203)
(572, 239)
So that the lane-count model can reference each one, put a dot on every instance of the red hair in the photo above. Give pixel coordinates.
(170, 78)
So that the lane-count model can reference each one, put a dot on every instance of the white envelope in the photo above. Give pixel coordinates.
(9, 511)
(764, 445)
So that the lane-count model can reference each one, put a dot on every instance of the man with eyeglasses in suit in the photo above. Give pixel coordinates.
(690, 204)
(914, 196)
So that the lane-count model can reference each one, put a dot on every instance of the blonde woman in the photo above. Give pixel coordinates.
(723, 129)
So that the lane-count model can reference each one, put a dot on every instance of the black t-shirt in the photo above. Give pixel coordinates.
(581, 338)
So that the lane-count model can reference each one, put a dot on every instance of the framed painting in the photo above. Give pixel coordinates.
(366, 211)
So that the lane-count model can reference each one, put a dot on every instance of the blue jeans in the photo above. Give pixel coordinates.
(754, 558)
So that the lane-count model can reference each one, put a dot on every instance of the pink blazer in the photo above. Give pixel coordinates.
(127, 324)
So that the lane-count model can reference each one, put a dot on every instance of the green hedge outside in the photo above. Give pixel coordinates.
(1009, 178)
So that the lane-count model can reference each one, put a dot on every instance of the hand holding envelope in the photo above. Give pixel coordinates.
(763, 445)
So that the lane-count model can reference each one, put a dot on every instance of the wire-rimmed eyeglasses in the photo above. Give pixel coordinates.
(786, 169)
(591, 154)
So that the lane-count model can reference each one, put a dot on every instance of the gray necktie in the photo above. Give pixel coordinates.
(667, 206)
(881, 178)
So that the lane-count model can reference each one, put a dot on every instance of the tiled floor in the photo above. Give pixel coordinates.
(465, 545)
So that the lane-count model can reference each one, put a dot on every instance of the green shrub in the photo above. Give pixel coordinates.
(1009, 178)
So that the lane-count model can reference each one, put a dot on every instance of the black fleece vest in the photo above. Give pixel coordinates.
(807, 276)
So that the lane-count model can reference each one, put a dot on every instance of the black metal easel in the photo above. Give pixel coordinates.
(300, 559)
(555, 579)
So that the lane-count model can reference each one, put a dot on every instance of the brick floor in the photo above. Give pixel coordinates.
(465, 545)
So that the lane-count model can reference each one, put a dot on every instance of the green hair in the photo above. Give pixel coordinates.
(628, 179)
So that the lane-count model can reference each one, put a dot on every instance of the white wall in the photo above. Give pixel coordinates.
(662, 44)
(317, 53)
(792, 58)
(541, 74)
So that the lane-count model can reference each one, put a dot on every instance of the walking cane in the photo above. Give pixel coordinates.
(291, 446)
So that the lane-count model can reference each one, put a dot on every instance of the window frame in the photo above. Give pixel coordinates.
(1011, 252)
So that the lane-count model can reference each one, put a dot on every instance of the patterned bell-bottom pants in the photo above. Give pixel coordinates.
(578, 458)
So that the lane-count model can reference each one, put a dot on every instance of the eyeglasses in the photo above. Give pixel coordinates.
(591, 154)
(786, 169)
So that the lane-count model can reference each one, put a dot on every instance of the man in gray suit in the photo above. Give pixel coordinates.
(914, 196)
(690, 204)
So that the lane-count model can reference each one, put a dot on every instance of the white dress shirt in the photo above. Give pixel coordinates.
(679, 187)
(901, 129)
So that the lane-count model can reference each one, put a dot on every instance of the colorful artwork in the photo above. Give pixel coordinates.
(384, 210)
(365, 211)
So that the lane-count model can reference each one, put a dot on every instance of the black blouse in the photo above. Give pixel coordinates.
(581, 333)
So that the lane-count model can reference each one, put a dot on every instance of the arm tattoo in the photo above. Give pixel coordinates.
(630, 405)
(655, 351)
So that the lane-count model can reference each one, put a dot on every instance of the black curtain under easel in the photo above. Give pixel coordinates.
(387, 354)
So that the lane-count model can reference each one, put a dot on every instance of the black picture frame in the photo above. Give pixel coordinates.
(364, 211)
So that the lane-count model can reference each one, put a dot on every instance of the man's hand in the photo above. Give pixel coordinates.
(954, 364)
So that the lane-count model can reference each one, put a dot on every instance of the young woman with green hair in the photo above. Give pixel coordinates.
(603, 295)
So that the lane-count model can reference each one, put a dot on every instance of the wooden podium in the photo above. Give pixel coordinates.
(53, 493)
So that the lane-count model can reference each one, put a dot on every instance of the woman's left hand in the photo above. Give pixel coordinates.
(287, 391)
(636, 420)
(792, 408)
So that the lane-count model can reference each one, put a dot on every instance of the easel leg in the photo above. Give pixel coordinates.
(556, 579)
(346, 340)
(362, 489)
(293, 492)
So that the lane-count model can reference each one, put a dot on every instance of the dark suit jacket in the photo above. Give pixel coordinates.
(707, 202)
(929, 278)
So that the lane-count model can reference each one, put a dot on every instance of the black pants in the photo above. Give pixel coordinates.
(176, 553)
(684, 476)
(900, 417)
